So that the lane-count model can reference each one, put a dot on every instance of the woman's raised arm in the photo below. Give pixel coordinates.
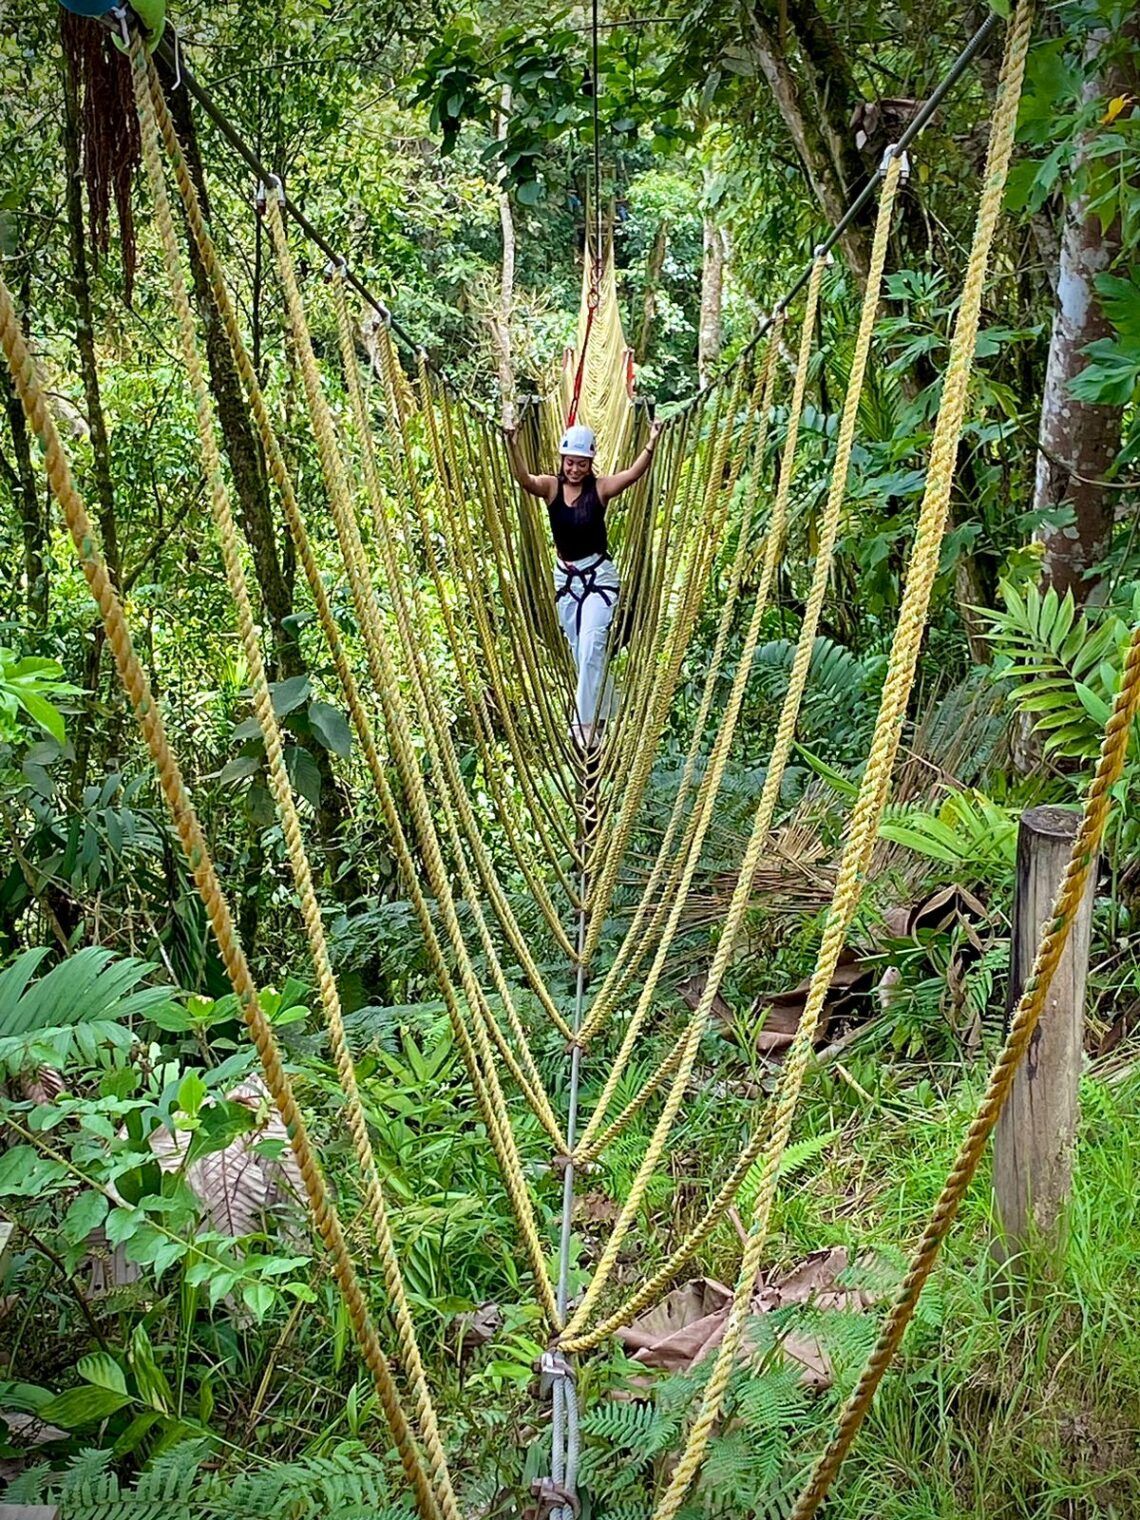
(610, 486)
(537, 485)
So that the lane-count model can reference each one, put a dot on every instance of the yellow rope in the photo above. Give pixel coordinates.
(660, 684)
(1082, 860)
(636, 733)
(193, 841)
(791, 705)
(640, 936)
(450, 473)
(660, 1136)
(710, 787)
(462, 647)
(441, 751)
(474, 1042)
(666, 628)
(605, 404)
(518, 714)
(535, 646)
(655, 1286)
(868, 808)
(147, 90)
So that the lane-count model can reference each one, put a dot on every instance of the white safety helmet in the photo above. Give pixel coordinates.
(580, 441)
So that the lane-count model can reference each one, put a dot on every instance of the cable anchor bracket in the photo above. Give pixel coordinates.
(552, 1366)
(894, 151)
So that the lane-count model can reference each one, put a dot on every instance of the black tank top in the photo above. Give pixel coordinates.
(579, 530)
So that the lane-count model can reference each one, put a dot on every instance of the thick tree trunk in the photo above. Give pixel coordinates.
(654, 264)
(813, 143)
(712, 299)
(1078, 441)
(834, 89)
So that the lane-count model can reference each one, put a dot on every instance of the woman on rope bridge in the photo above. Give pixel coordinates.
(586, 583)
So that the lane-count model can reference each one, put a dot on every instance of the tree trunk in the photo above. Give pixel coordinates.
(834, 89)
(273, 571)
(712, 299)
(812, 142)
(21, 478)
(243, 448)
(1078, 440)
(654, 264)
(501, 319)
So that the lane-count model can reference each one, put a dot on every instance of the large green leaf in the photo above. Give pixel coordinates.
(288, 695)
(82, 1406)
(102, 1371)
(303, 773)
(91, 985)
(331, 728)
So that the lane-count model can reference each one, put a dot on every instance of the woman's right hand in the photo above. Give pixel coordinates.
(511, 434)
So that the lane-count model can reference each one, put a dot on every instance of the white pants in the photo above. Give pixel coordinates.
(586, 594)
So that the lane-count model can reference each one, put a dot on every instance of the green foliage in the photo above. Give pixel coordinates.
(546, 71)
(1063, 668)
(967, 832)
(26, 685)
(85, 1001)
(836, 708)
(1112, 375)
(349, 1482)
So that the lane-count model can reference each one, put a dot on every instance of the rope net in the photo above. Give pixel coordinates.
(438, 544)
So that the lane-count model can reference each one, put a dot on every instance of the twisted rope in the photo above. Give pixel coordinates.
(869, 805)
(147, 91)
(474, 1042)
(660, 1136)
(133, 678)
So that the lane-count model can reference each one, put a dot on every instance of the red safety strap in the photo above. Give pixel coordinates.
(592, 302)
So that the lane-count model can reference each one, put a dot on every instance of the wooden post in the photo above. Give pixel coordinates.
(1036, 1133)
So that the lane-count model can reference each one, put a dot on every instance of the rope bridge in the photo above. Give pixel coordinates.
(426, 500)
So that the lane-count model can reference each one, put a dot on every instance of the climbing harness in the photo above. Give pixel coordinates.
(581, 579)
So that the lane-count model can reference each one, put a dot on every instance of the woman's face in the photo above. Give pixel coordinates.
(575, 467)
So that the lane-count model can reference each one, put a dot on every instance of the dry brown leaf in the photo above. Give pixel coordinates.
(692, 989)
(30, 1430)
(475, 1328)
(690, 1322)
(853, 979)
(682, 1328)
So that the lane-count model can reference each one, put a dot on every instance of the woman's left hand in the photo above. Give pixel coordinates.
(654, 432)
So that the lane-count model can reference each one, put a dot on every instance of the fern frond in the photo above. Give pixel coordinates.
(1064, 670)
(626, 1427)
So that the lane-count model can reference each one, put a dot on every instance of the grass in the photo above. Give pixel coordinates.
(999, 1409)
